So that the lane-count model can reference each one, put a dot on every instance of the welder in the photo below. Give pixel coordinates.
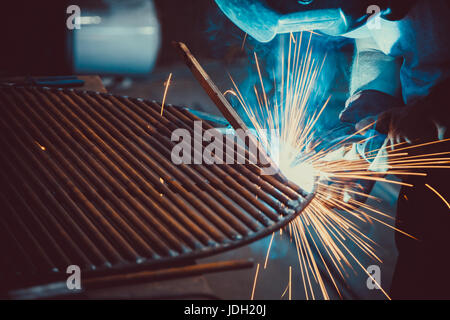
(400, 81)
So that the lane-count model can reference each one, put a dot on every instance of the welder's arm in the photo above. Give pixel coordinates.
(375, 83)
(374, 88)
(374, 70)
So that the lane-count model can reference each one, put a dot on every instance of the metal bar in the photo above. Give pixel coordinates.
(78, 256)
(234, 176)
(24, 256)
(89, 180)
(288, 187)
(243, 198)
(61, 212)
(245, 172)
(58, 145)
(226, 173)
(75, 192)
(119, 120)
(151, 123)
(101, 170)
(178, 221)
(182, 172)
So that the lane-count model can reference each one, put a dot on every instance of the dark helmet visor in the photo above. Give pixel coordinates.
(264, 19)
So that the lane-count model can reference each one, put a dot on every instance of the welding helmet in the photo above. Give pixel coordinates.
(264, 19)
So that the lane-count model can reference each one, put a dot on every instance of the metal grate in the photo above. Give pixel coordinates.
(87, 179)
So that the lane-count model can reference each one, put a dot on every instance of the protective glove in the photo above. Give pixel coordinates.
(425, 120)
(368, 103)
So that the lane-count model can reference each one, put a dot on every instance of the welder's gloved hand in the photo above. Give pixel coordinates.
(366, 104)
(361, 110)
(426, 120)
(407, 124)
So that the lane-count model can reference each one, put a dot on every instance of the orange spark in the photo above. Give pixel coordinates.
(243, 42)
(268, 250)
(290, 282)
(254, 282)
(40, 146)
(438, 194)
(167, 83)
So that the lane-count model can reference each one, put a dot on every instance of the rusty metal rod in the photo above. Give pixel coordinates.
(288, 187)
(51, 215)
(234, 172)
(20, 259)
(63, 213)
(224, 173)
(182, 172)
(188, 231)
(74, 190)
(63, 254)
(175, 243)
(222, 225)
(155, 128)
(142, 120)
(30, 240)
(118, 120)
(243, 198)
(58, 145)
(32, 155)
(139, 244)
(235, 177)
(56, 289)
(241, 171)
(175, 169)
(35, 220)
(80, 120)
(250, 201)
(105, 155)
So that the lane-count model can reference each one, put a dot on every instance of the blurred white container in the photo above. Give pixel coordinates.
(123, 37)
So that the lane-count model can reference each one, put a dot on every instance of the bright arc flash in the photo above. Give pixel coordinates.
(302, 174)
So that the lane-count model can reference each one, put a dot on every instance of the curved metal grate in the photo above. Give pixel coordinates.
(87, 179)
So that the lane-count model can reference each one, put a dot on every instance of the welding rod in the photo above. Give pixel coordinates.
(222, 103)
